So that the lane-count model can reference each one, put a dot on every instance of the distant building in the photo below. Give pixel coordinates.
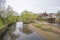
(44, 14)
(47, 15)
(51, 15)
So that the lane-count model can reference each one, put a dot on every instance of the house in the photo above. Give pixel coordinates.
(51, 17)
(44, 14)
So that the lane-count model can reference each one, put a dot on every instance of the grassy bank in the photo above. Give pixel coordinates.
(1, 27)
(47, 27)
(46, 34)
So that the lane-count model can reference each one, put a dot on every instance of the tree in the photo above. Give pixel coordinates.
(2, 8)
(58, 16)
(58, 13)
(10, 15)
(27, 17)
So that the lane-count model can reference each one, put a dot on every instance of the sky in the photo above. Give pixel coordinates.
(36, 6)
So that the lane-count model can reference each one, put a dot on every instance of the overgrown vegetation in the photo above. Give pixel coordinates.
(43, 18)
(1, 24)
(38, 25)
(58, 17)
(7, 17)
(27, 17)
(48, 28)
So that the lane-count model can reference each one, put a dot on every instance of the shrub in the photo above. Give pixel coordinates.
(27, 17)
(58, 20)
(38, 25)
(43, 19)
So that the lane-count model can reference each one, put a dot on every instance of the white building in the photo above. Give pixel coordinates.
(51, 15)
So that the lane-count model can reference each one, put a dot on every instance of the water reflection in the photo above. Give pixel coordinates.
(56, 24)
(26, 29)
(20, 32)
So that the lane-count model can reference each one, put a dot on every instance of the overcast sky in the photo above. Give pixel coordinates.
(35, 5)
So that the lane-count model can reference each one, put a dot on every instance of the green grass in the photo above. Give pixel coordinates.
(1, 27)
(38, 25)
(43, 19)
(46, 27)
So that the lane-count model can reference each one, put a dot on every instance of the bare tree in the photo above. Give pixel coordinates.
(2, 7)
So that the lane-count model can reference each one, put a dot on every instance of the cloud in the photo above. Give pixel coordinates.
(35, 5)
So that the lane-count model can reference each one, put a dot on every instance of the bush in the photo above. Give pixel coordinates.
(43, 19)
(42, 26)
(38, 25)
(1, 24)
(58, 20)
(27, 17)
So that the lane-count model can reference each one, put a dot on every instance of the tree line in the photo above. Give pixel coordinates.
(10, 16)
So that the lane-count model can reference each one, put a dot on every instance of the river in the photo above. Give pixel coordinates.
(55, 24)
(20, 32)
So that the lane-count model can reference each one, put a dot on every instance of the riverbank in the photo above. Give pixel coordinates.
(4, 29)
(48, 35)
(21, 31)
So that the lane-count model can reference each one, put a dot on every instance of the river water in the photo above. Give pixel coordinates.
(20, 32)
(56, 24)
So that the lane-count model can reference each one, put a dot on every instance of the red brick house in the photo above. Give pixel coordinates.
(44, 14)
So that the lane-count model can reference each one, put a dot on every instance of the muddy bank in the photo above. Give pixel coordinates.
(4, 30)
